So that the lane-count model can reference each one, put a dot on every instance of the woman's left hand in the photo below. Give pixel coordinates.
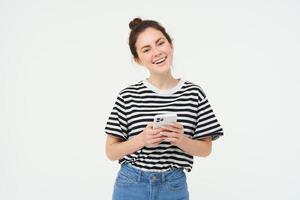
(174, 133)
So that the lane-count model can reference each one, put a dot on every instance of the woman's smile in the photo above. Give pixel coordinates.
(160, 61)
(154, 51)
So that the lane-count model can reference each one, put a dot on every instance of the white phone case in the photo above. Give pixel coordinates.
(164, 119)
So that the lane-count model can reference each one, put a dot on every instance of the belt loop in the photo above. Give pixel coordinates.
(163, 176)
(140, 175)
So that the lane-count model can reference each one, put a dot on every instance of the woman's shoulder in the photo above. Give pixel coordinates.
(192, 86)
(132, 88)
(191, 83)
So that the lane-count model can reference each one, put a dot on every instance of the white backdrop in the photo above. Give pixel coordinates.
(63, 62)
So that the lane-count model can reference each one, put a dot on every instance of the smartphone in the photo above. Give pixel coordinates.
(164, 119)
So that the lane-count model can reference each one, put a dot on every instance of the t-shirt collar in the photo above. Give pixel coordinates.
(166, 91)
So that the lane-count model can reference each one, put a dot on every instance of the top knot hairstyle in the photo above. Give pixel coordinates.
(135, 23)
(137, 26)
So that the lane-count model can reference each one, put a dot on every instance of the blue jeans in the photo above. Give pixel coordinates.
(135, 184)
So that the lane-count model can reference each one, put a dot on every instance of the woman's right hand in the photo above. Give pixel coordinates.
(151, 137)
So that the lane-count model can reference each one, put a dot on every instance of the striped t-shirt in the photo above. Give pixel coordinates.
(137, 105)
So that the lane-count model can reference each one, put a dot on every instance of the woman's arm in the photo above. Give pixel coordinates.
(116, 148)
(175, 135)
(193, 147)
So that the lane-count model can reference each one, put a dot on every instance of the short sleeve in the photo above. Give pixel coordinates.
(207, 123)
(117, 123)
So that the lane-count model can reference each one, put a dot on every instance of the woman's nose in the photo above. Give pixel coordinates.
(156, 52)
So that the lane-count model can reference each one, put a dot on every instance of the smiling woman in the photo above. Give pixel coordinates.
(154, 51)
(153, 160)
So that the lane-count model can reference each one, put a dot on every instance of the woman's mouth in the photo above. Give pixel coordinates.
(160, 61)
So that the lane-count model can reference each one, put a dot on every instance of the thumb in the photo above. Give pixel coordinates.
(150, 125)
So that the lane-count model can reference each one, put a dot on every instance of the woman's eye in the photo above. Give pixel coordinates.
(161, 43)
(146, 50)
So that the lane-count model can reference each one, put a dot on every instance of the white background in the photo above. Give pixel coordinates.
(63, 62)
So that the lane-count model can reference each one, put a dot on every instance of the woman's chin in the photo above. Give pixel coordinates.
(162, 70)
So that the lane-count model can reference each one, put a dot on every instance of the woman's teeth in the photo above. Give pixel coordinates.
(160, 60)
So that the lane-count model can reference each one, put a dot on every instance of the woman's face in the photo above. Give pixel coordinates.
(154, 51)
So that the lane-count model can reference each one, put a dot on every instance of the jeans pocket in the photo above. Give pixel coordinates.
(126, 179)
(177, 183)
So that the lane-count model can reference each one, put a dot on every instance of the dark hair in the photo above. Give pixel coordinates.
(137, 26)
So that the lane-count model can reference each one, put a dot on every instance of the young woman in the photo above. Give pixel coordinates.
(153, 160)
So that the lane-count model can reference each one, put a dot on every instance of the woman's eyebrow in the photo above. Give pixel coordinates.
(158, 40)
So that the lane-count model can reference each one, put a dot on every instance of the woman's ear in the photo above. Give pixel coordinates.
(137, 60)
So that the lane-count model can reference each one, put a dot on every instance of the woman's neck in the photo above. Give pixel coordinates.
(163, 82)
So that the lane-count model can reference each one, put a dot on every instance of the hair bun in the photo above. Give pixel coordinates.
(135, 23)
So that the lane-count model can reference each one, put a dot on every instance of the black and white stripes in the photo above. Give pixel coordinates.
(137, 105)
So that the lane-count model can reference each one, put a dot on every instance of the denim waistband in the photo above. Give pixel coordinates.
(141, 175)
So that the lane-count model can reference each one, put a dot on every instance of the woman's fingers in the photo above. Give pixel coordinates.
(170, 134)
(173, 129)
(174, 133)
(156, 131)
(176, 125)
(157, 140)
(156, 136)
(150, 125)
